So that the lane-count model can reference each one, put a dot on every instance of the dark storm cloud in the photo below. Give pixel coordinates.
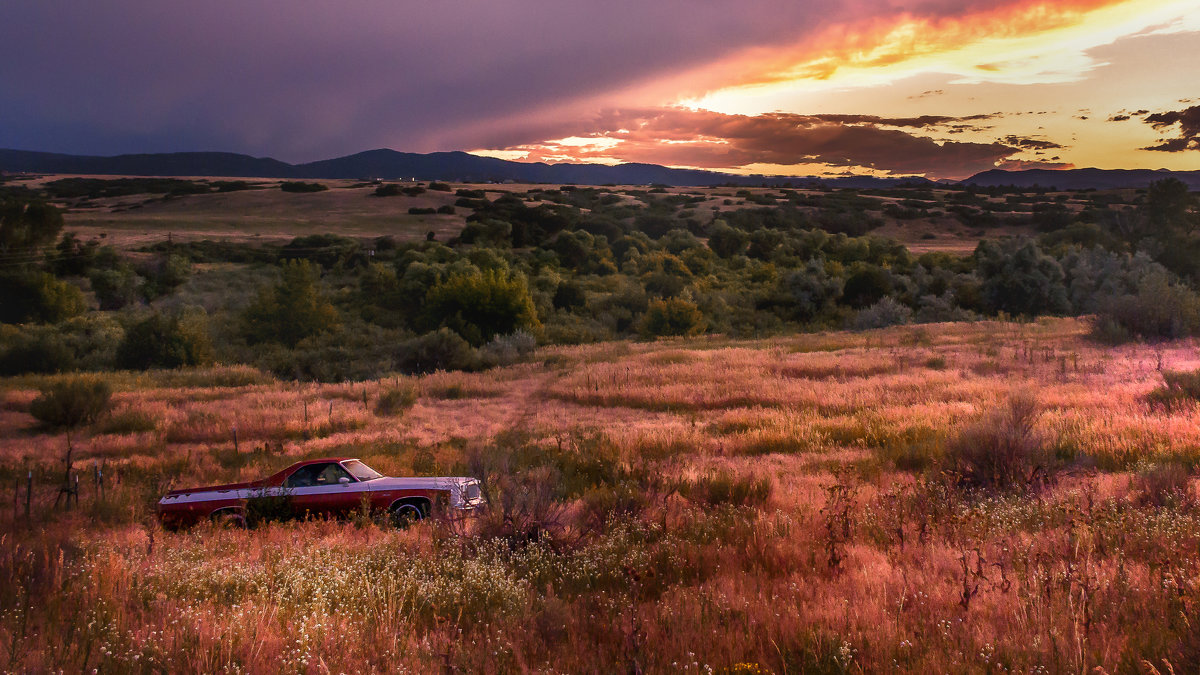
(1188, 120)
(911, 122)
(308, 78)
(311, 78)
(1031, 143)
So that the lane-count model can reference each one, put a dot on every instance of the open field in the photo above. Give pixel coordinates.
(267, 215)
(705, 505)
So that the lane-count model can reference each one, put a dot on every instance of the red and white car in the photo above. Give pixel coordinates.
(333, 486)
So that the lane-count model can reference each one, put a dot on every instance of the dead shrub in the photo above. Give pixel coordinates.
(523, 506)
(1004, 450)
(1165, 485)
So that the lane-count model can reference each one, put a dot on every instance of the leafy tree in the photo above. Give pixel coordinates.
(116, 288)
(382, 298)
(809, 292)
(1169, 207)
(1018, 278)
(866, 285)
(72, 256)
(29, 295)
(726, 241)
(165, 274)
(480, 305)
(161, 341)
(27, 225)
(48, 353)
(569, 295)
(1160, 308)
(672, 316)
(290, 310)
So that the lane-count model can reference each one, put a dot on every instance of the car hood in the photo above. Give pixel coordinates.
(419, 483)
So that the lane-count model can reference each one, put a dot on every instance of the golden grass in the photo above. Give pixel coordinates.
(926, 578)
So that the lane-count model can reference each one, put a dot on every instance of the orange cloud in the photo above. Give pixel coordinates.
(711, 140)
(1023, 42)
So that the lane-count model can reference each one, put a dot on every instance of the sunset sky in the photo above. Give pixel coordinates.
(939, 88)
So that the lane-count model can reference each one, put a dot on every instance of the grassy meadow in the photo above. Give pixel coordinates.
(701, 505)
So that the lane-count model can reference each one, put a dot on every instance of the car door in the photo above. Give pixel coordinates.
(318, 490)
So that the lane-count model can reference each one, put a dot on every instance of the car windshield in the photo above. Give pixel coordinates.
(361, 471)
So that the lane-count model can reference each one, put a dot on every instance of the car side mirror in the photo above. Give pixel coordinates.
(344, 481)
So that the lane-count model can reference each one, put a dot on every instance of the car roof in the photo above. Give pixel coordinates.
(307, 462)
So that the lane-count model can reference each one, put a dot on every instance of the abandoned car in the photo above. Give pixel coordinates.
(329, 487)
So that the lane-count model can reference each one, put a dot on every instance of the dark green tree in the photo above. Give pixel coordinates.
(162, 341)
(291, 309)
(27, 225)
(672, 316)
(1018, 278)
(481, 305)
(29, 295)
(727, 241)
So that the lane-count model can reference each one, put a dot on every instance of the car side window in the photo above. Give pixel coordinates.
(317, 475)
(306, 476)
(331, 474)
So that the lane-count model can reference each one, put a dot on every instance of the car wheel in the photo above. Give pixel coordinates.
(404, 515)
(229, 520)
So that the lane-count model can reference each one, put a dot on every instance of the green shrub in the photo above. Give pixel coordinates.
(442, 349)
(480, 305)
(1161, 308)
(725, 489)
(127, 421)
(395, 400)
(290, 310)
(673, 316)
(29, 295)
(1178, 387)
(301, 186)
(439, 187)
(37, 353)
(161, 341)
(116, 288)
(72, 403)
(27, 225)
(164, 275)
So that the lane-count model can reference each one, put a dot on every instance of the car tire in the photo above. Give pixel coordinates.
(406, 514)
(229, 520)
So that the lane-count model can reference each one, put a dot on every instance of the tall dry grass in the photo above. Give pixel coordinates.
(785, 506)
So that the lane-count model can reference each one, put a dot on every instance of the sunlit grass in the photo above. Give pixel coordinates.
(739, 506)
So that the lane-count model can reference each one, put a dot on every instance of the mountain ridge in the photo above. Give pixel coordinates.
(459, 166)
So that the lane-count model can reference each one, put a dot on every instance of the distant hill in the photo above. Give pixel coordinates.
(162, 164)
(1082, 179)
(391, 165)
